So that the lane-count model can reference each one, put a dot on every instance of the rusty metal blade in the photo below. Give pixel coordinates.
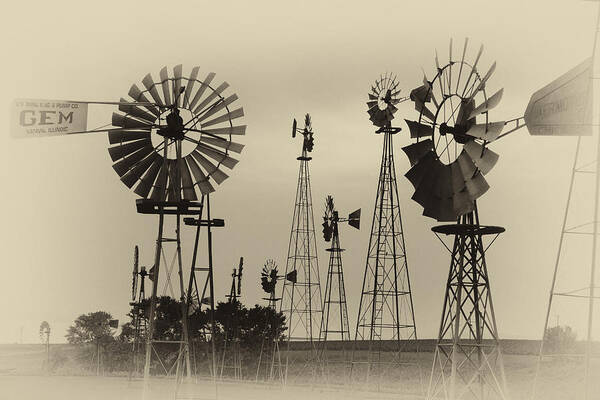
(189, 87)
(416, 151)
(237, 113)
(123, 150)
(488, 132)
(199, 176)
(203, 86)
(222, 143)
(212, 96)
(212, 170)
(484, 158)
(166, 89)
(491, 102)
(418, 130)
(149, 84)
(136, 94)
(149, 177)
(123, 165)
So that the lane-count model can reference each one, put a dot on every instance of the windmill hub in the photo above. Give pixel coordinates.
(175, 128)
(458, 131)
(385, 101)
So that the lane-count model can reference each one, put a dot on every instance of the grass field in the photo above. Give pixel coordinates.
(22, 378)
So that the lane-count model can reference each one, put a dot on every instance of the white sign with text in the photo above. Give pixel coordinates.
(39, 118)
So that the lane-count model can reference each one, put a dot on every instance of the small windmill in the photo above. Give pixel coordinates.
(268, 282)
(334, 322)
(269, 359)
(138, 304)
(386, 310)
(301, 297)
(45, 338)
(233, 361)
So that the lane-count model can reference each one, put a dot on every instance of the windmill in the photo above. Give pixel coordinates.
(301, 297)
(138, 302)
(448, 162)
(334, 322)
(232, 330)
(386, 310)
(573, 288)
(269, 359)
(45, 338)
(169, 143)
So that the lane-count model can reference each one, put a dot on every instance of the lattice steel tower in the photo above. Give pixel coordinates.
(301, 297)
(386, 308)
(334, 322)
(231, 358)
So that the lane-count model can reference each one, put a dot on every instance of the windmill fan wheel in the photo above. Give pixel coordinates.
(383, 98)
(268, 276)
(173, 138)
(451, 156)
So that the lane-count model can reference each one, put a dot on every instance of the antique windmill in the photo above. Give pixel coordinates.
(301, 296)
(448, 162)
(231, 357)
(269, 359)
(334, 322)
(169, 143)
(138, 302)
(386, 310)
(45, 338)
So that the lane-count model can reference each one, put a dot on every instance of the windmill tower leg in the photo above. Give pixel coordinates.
(185, 346)
(158, 205)
(570, 236)
(386, 307)
(301, 300)
(150, 333)
(467, 360)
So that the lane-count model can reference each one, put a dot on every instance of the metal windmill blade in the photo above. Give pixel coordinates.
(135, 273)
(177, 149)
(450, 155)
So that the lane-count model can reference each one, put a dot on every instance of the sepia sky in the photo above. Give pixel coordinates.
(69, 225)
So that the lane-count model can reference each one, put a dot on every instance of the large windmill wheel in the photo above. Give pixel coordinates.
(450, 158)
(175, 138)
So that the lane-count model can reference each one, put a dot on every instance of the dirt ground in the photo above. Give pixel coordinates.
(21, 378)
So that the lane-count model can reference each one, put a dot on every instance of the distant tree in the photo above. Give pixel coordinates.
(262, 323)
(91, 327)
(253, 324)
(45, 338)
(560, 339)
(127, 332)
(45, 332)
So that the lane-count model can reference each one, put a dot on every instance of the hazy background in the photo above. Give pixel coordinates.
(69, 225)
